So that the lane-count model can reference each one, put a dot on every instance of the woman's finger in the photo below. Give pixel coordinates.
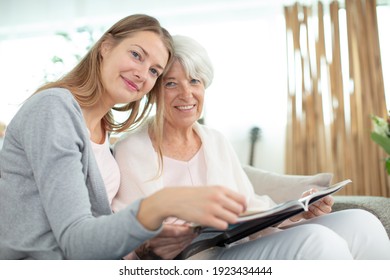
(329, 200)
(174, 230)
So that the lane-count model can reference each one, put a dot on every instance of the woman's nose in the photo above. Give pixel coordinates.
(141, 73)
(186, 90)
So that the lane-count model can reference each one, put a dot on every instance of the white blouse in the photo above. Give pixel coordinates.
(108, 167)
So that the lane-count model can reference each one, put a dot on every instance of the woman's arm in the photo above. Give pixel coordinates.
(213, 206)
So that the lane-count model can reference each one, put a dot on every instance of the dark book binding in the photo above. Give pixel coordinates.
(252, 223)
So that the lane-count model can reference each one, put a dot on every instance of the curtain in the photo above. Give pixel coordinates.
(335, 84)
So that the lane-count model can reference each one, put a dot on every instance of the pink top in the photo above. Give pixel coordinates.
(184, 173)
(108, 167)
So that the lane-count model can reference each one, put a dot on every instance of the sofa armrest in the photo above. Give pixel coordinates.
(379, 206)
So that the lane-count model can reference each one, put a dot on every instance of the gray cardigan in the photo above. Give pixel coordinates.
(53, 203)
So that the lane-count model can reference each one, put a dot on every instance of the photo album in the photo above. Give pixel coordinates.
(252, 221)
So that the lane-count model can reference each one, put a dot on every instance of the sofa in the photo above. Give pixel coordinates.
(377, 205)
(281, 187)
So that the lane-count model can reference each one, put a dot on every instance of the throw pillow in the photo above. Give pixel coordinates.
(282, 187)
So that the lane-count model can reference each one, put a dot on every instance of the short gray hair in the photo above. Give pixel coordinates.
(194, 59)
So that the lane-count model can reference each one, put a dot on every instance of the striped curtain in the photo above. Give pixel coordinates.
(335, 83)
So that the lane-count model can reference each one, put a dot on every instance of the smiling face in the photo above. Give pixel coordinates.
(183, 97)
(130, 69)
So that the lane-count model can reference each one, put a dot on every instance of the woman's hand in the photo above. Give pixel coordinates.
(213, 206)
(321, 207)
(168, 244)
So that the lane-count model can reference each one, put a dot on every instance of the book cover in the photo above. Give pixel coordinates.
(253, 221)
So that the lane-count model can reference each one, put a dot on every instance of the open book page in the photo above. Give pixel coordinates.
(254, 222)
(307, 200)
(302, 203)
(283, 210)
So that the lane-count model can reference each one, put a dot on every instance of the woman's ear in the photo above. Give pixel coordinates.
(105, 48)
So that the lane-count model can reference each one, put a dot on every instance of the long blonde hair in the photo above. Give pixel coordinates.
(84, 80)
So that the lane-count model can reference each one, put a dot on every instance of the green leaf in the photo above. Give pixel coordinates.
(382, 141)
(388, 165)
(56, 59)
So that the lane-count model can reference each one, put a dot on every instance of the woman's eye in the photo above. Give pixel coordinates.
(135, 55)
(154, 72)
(195, 81)
(170, 84)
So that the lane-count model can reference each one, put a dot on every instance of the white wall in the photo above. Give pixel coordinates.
(245, 40)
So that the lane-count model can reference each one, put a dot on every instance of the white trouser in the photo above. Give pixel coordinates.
(348, 234)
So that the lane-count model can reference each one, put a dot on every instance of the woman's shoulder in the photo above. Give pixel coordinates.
(208, 131)
(61, 95)
(58, 101)
(54, 100)
(137, 137)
